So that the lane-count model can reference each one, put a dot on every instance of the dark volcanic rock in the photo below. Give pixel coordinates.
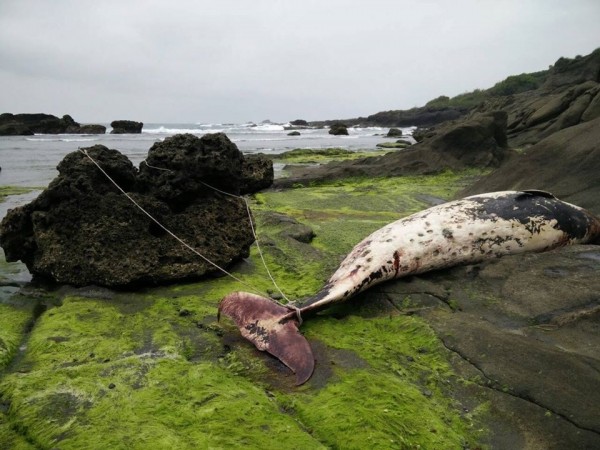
(177, 168)
(126, 127)
(14, 128)
(82, 230)
(394, 132)
(257, 173)
(28, 124)
(92, 129)
(338, 129)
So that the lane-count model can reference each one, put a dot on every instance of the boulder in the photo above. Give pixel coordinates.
(420, 134)
(126, 127)
(394, 132)
(338, 129)
(92, 129)
(82, 230)
(257, 173)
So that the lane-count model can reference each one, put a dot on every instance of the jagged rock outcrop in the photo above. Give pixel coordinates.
(28, 124)
(82, 230)
(126, 127)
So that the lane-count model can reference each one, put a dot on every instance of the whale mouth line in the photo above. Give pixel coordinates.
(271, 328)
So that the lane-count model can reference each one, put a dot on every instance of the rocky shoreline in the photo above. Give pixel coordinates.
(30, 124)
(503, 354)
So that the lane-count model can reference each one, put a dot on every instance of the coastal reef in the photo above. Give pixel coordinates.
(479, 142)
(82, 230)
(29, 124)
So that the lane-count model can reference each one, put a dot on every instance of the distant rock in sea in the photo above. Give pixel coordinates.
(394, 132)
(126, 127)
(92, 129)
(299, 123)
(29, 124)
(338, 129)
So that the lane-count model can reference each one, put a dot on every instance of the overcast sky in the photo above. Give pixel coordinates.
(250, 60)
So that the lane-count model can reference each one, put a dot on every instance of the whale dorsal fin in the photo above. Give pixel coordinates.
(537, 192)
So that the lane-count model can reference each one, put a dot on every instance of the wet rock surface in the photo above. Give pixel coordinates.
(526, 331)
(82, 230)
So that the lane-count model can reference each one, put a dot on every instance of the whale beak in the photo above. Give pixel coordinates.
(270, 327)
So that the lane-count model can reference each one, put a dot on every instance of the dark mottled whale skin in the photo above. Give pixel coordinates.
(470, 230)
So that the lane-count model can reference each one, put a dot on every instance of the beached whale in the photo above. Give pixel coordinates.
(469, 230)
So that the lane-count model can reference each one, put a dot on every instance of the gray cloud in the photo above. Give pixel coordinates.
(188, 61)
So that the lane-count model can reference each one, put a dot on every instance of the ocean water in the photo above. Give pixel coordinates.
(31, 160)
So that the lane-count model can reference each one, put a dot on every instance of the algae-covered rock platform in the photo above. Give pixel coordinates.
(499, 355)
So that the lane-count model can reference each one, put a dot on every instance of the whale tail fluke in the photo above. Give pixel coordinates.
(271, 328)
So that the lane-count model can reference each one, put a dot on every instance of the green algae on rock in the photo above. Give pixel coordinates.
(14, 319)
(322, 155)
(5, 191)
(154, 369)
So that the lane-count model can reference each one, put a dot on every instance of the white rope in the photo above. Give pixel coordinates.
(169, 231)
(157, 168)
(255, 237)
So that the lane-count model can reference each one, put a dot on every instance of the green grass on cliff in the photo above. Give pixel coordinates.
(154, 369)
